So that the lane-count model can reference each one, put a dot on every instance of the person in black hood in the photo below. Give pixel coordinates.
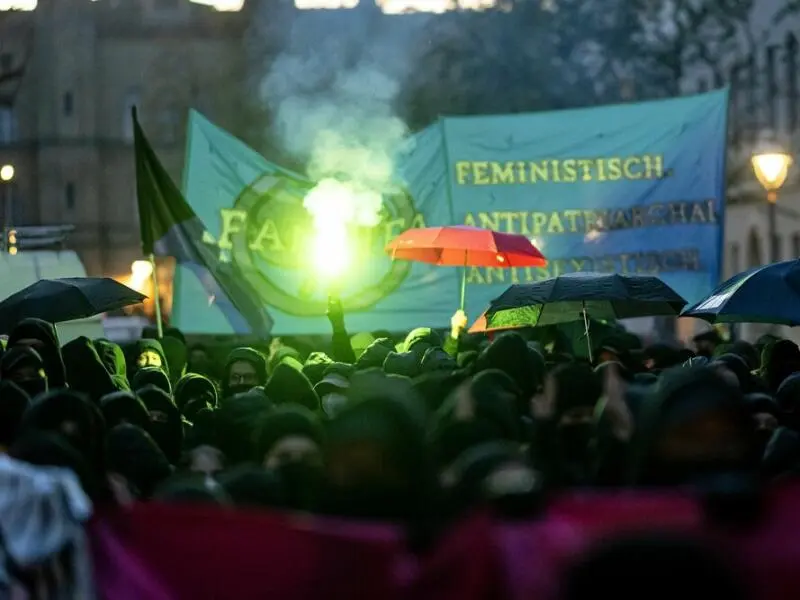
(748, 352)
(658, 357)
(85, 370)
(378, 462)
(151, 376)
(194, 392)
(510, 353)
(695, 425)
(134, 456)
(290, 442)
(124, 407)
(779, 360)
(199, 361)
(737, 366)
(315, 365)
(146, 353)
(289, 385)
(419, 340)
(24, 366)
(50, 449)
(788, 399)
(72, 415)
(114, 361)
(166, 425)
(235, 424)
(705, 343)
(245, 369)
(563, 445)
(42, 337)
(14, 402)
(375, 354)
(289, 434)
(765, 414)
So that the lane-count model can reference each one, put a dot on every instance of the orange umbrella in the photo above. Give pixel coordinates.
(462, 246)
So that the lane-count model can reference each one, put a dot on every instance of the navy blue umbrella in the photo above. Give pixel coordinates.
(579, 296)
(769, 294)
(66, 299)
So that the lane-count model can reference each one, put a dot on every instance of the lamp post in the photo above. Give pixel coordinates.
(771, 165)
(7, 173)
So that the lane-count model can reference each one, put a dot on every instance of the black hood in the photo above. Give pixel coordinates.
(85, 369)
(248, 355)
(136, 349)
(193, 386)
(49, 348)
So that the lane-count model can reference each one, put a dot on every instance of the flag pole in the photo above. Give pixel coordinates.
(156, 297)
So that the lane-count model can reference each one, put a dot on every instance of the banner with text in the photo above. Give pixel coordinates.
(634, 188)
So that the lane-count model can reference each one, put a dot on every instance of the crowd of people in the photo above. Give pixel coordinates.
(419, 430)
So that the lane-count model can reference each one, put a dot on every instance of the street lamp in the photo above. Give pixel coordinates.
(6, 173)
(771, 164)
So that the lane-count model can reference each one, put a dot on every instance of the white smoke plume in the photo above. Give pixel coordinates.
(332, 92)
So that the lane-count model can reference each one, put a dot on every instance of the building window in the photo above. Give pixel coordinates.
(796, 245)
(67, 104)
(131, 101)
(69, 195)
(8, 125)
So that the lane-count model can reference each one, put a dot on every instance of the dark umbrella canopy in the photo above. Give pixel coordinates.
(769, 294)
(59, 300)
(570, 297)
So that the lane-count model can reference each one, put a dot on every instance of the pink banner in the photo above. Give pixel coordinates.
(198, 553)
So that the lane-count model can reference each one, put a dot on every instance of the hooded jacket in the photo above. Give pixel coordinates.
(289, 385)
(85, 370)
(193, 386)
(114, 361)
(138, 348)
(168, 434)
(48, 348)
(248, 355)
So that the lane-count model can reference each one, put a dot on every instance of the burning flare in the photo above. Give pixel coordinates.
(334, 207)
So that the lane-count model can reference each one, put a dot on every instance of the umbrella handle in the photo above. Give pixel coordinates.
(463, 286)
(586, 329)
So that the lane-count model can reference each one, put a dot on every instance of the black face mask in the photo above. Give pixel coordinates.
(193, 407)
(232, 390)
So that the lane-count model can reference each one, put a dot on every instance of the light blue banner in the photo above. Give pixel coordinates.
(634, 188)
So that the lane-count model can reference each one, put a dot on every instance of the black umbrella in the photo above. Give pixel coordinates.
(59, 300)
(578, 296)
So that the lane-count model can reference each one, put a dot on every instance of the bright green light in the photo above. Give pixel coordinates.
(331, 251)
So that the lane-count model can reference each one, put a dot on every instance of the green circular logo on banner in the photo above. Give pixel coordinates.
(272, 250)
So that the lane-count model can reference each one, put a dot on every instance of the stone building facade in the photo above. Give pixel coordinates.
(68, 131)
